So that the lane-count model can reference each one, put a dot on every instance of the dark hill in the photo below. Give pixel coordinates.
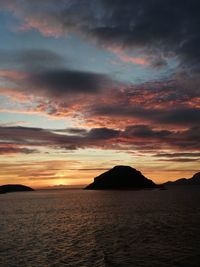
(195, 180)
(121, 178)
(14, 188)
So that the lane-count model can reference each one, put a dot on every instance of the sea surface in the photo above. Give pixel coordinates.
(101, 228)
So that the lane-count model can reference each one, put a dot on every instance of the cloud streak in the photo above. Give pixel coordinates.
(13, 150)
(138, 137)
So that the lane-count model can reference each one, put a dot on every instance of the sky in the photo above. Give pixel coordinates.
(89, 84)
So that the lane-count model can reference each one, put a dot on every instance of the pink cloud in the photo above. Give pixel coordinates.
(124, 57)
(12, 74)
(42, 26)
(133, 60)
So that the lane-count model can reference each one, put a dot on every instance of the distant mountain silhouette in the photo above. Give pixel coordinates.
(121, 178)
(14, 188)
(195, 180)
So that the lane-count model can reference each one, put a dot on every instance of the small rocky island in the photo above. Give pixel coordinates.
(8, 188)
(121, 178)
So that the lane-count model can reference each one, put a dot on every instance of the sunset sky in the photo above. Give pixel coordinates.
(89, 84)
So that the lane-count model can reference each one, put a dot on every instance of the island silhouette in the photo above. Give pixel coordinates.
(121, 178)
(194, 180)
(8, 188)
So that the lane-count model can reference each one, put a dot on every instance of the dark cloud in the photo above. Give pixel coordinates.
(15, 150)
(178, 154)
(103, 133)
(177, 116)
(145, 131)
(161, 27)
(188, 139)
(47, 73)
(184, 139)
(41, 137)
(60, 82)
(139, 137)
(180, 160)
(181, 116)
(193, 133)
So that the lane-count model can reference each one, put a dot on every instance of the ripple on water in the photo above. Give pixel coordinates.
(100, 228)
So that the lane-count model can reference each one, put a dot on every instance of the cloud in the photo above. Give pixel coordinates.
(178, 157)
(94, 97)
(31, 59)
(155, 61)
(144, 131)
(135, 137)
(103, 133)
(9, 150)
(178, 139)
(64, 81)
(157, 27)
(174, 116)
(28, 136)
(45, 73)
(73, 131)
(133, 60)
(180, 160)
(37, 169)
(101, 101)
(178, 154)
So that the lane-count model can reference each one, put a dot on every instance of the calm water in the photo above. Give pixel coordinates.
(100, 228)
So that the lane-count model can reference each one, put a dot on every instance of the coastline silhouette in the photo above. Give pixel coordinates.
(119, 177)
(194, 180)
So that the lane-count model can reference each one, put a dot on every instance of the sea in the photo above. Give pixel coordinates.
(80, 228)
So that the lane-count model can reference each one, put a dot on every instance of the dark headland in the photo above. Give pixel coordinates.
(121, 178)
(8, 188)
(195, 180)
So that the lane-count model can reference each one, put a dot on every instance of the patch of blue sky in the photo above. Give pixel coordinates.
(34, 120)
